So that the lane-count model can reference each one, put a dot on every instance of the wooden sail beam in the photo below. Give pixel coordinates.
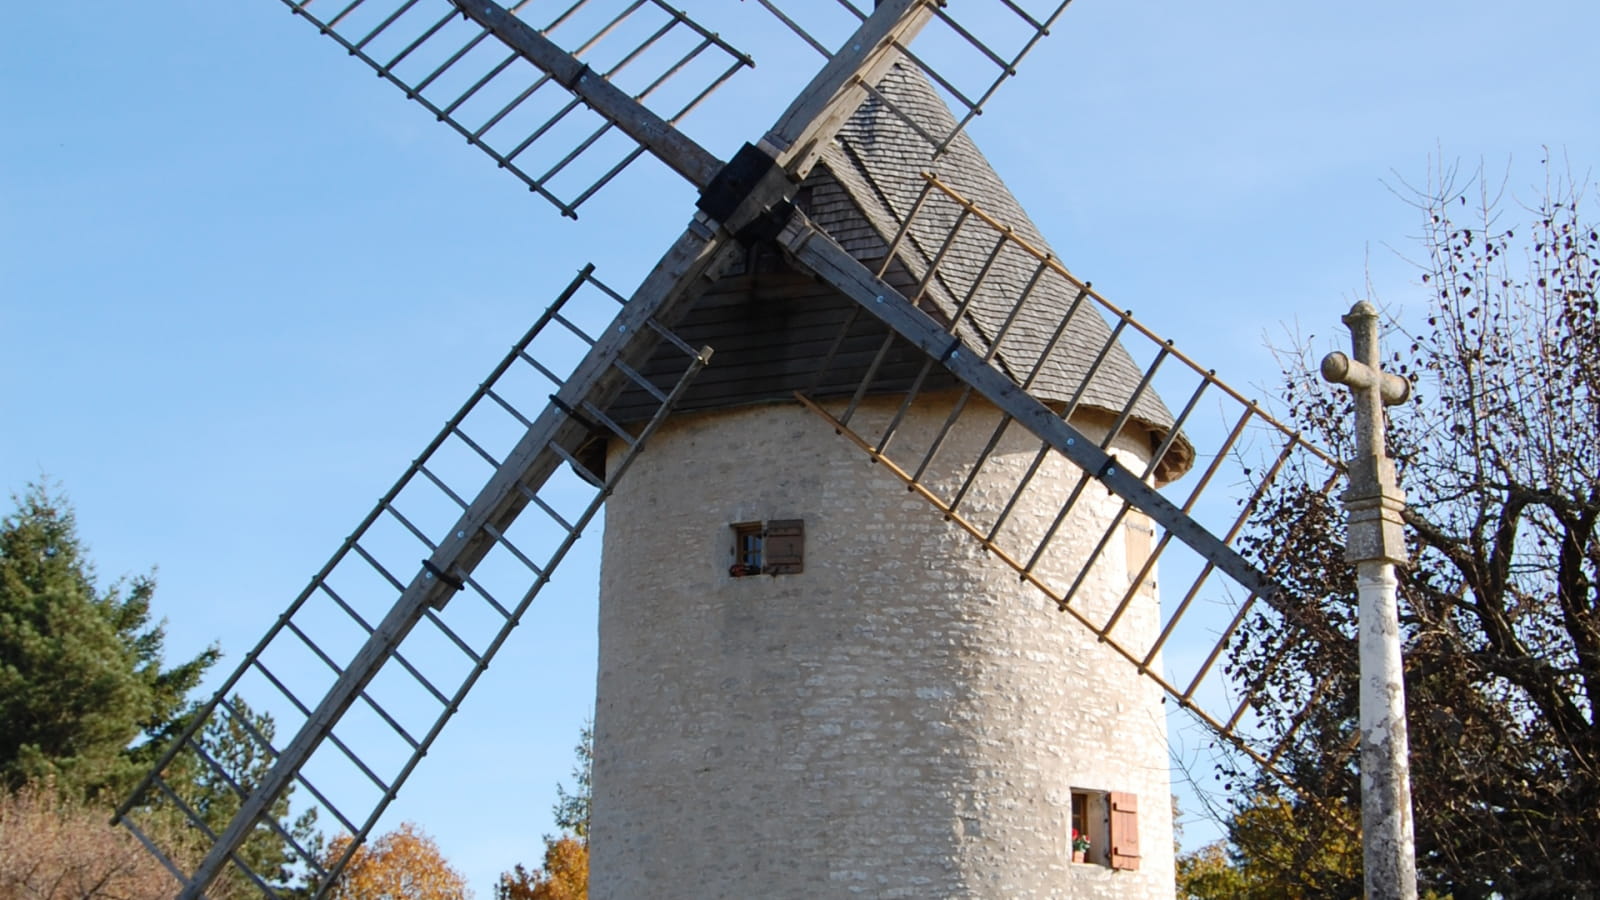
(678, 278)
(680, 152)
(794, 140)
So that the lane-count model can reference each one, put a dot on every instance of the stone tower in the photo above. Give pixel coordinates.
(811, 685)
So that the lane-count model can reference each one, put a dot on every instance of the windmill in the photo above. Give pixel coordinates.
(862, 279)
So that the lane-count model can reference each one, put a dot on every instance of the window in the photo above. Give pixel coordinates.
(1105, 829)
(1089, 832)
(746, 549)
(768, 548)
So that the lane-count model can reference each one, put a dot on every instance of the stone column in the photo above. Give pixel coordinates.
(1375, 545)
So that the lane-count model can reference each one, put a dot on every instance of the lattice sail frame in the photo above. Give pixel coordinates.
(969, 55)
(534, 406)
(546, 100)
(1230, 439)
(525, 118)
(532, 461)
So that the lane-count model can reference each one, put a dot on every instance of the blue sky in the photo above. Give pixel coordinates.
(242, 281)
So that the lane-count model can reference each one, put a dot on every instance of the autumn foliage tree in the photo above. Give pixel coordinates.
(1499, 454)
(564, 876)
(404, 864)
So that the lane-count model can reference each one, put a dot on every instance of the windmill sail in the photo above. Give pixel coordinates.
(566, 96)
(564, 129)
(920, 315)
(983, 46)
(377, 653)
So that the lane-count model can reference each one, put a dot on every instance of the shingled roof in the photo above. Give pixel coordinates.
(771, 325)
(877, 162)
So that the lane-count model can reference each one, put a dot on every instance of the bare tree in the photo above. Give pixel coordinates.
(1499, 453)
(55, 846)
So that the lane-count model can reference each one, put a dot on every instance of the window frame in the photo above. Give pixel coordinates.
(749, 544)
(772, 547)
(1090, 815)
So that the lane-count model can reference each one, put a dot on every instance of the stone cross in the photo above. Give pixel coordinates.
(1373, 499)
(1376, 544)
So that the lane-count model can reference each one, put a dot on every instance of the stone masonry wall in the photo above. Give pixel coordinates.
(902, 719)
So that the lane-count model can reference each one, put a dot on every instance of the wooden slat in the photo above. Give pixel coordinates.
(771, 329)
(770, 361)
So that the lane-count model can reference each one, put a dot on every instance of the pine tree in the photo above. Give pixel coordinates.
(236, 742)
(572, 810)
(84, 697)
(86, 703)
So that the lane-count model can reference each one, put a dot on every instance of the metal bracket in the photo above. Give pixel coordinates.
(443, 576)
(580, 418)
(752, 196)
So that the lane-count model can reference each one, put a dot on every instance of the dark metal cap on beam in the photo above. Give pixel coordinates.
(751, 196)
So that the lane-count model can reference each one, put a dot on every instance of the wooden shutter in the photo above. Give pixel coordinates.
(1124, 831)
(1139, 535)
(785, 547)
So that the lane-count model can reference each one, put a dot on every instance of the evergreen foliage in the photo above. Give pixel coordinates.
(572, 810)
(236, 742)
(84, 697)
(87, 704)
(565, 874)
